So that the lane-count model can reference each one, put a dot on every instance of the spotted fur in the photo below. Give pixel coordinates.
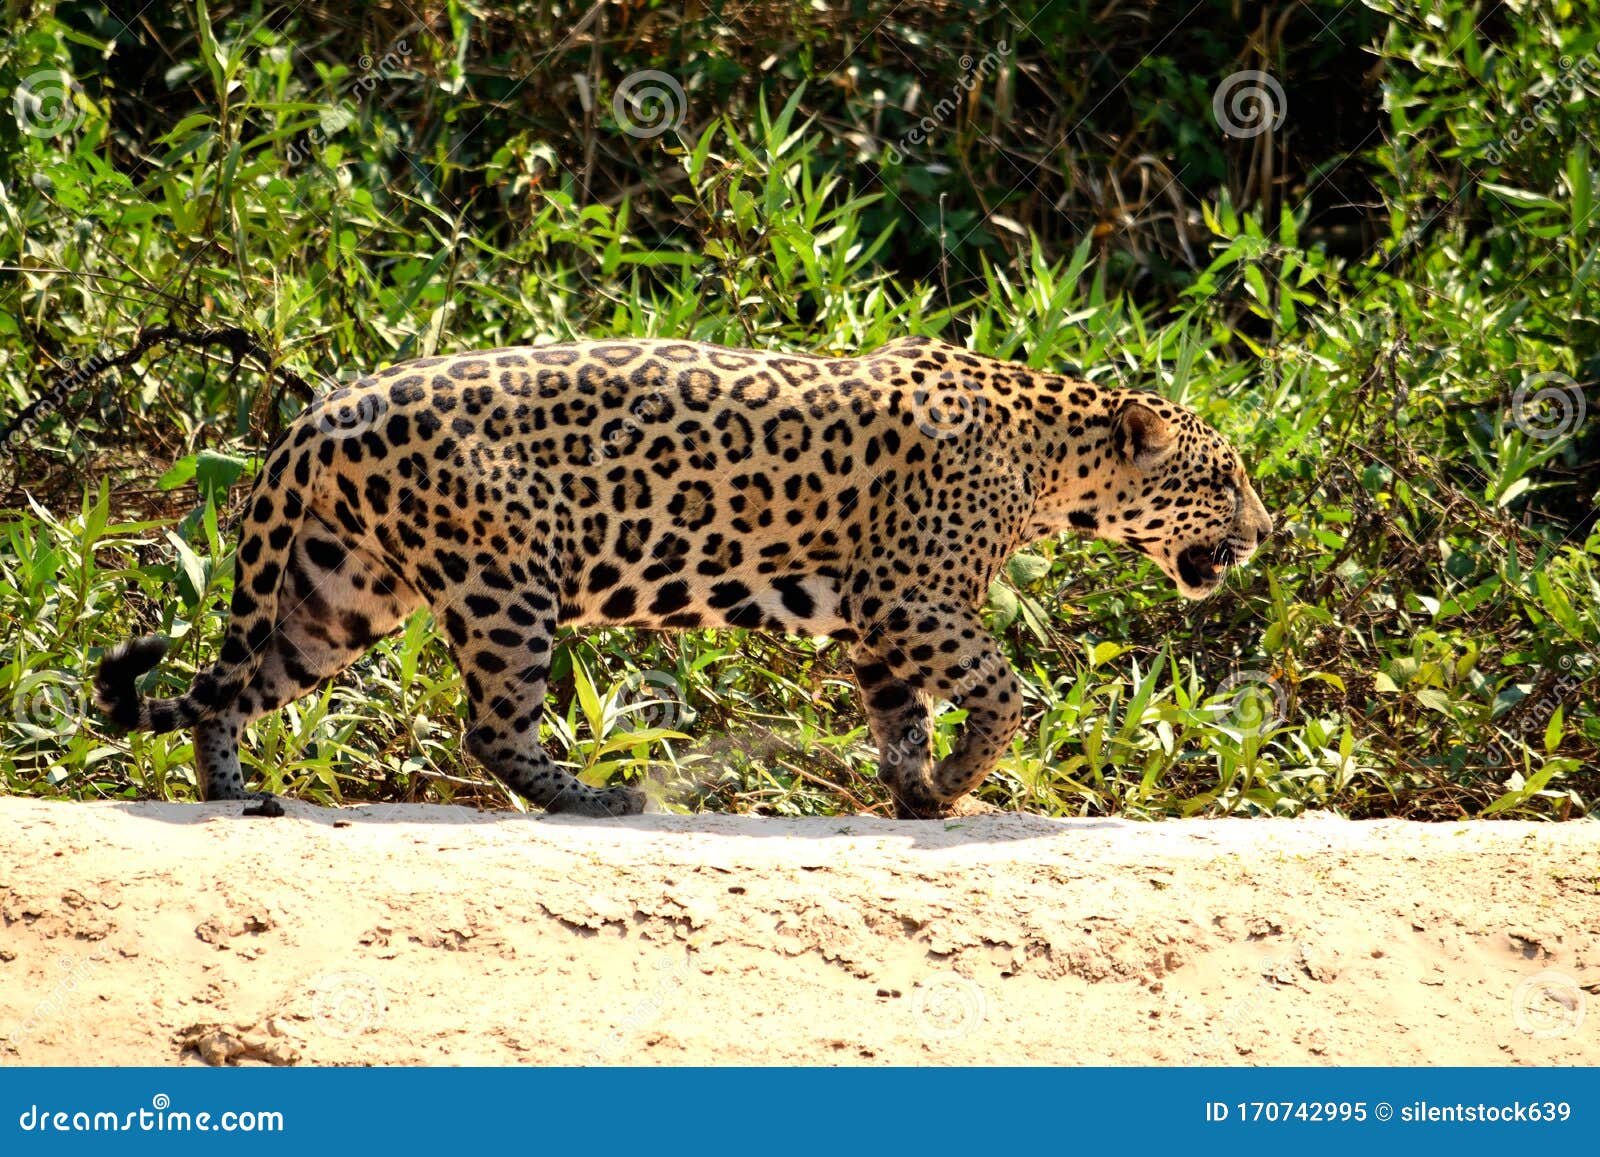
(666, 485)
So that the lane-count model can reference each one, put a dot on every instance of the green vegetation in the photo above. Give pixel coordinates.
(1389, 297)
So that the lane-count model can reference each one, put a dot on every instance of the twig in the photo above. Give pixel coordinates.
(68, 381)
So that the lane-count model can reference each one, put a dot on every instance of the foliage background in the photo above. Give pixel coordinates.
(1387, 297)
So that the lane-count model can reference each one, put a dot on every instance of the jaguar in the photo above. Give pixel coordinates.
(674, 485)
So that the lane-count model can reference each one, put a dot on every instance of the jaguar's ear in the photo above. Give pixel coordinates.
(1142, 436)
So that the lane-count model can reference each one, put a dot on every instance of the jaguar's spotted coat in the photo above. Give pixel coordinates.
(667, 484)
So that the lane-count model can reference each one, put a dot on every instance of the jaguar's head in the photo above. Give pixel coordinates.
(1175, 490)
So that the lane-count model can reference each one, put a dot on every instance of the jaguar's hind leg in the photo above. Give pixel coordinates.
(902, 727)
(335, 602)
(503, 651)
(216, 755)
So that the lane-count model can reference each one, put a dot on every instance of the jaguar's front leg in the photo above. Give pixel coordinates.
(940, 651)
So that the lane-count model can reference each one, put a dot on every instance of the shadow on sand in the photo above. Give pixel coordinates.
(996, 827)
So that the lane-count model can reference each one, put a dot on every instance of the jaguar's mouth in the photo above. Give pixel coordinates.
(1204, 566)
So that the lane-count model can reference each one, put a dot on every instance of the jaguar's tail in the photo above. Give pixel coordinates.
(266, 536)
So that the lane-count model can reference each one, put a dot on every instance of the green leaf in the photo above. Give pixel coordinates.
(1027, 569)
(214, 473)
(181, 472)
(1104, 652)
(1580, 182)
(1004, 604)
(210, 51)
(1513, 492)
(1327, 677)
(588, 698)
(1520, 196)
(1535, 783)
(192, 571)
(1554, 729)
(1434, 699)
(627, 740)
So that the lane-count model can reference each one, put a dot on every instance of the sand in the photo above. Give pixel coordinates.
(185, 934)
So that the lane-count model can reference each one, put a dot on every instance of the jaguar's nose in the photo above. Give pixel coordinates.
(1259, 524)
